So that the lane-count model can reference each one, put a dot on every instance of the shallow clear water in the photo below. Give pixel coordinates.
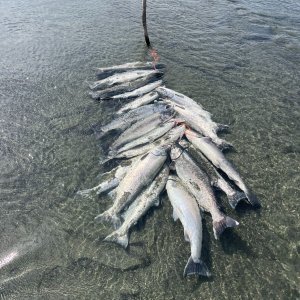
(240, 59)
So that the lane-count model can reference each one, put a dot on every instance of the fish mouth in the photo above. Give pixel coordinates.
(176, 152)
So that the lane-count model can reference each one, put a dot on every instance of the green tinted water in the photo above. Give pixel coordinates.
(240, 60)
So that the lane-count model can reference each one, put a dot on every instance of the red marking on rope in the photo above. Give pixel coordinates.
(155, 56)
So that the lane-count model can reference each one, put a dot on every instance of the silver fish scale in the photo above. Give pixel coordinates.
(195, 178)
(141, 127)
(132, 116)
(139, 176)
(121, 78)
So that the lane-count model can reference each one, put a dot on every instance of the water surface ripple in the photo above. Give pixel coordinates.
(240, 59)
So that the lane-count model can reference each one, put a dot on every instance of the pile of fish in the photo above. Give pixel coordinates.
(169, 142)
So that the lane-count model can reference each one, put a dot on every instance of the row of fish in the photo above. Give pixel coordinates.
(169, 142)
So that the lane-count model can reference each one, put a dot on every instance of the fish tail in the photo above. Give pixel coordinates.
(222, 144)
(252, 199)
(109, 218)
(196, 268)
(94, 95)
(111, 156)
(221, 225)
(221, 127)
(92, 85)
(116, 237)
(85, 193)
(226, 145)
(236, 198)
(104, 161)
(100, 134)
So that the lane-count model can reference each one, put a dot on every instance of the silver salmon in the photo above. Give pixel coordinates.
(122, 78)
(139, 92)
(141, 128)
(200, 124)
(137, 178)
(148, 137)
(185, 209)
(198, 184)
(108, 185)
(125, 87)
(124, 121)
(170, 137)
(217, 179)
(143, 100)
(139, 207)
(108, 71)
(218, 159)
(183, 100)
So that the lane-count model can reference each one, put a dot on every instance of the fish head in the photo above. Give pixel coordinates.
(167, 114)
(184, 144)
(161, 150)
(175, 134)
(162, 107)
(162, 91)
(176, 152)
(172, 180)
(167, 100)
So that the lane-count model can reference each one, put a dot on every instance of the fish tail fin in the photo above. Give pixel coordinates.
(253, 199)
(104, 161)
(222, 144)
(92, 85)
(94, 95)
(222, 127)
(197, 268)
(111, 156)
(236, 198)
(221, 225)
(116, 237)
(110, 218)
(85, 193)
(99, 135)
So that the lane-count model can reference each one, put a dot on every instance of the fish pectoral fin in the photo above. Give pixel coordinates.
(116, 237)
(196, 268)
(186, 237)
(236, 198)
